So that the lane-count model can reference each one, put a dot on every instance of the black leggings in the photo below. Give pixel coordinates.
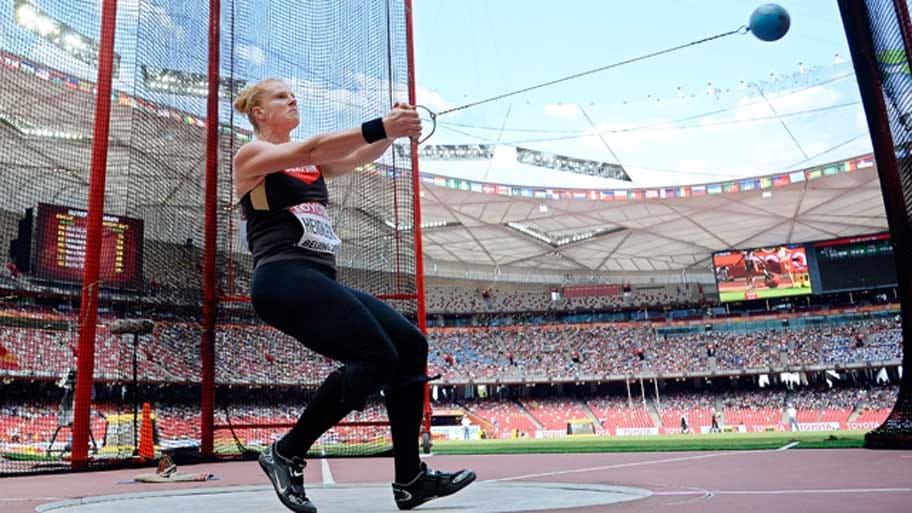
(378, 346)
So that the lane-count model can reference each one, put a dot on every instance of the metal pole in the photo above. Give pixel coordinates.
(210, 292)
(89, 304)
(629, 397)
(135, 397)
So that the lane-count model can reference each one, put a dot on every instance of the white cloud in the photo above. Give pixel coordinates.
(251, 53)
(561, 110)
(431, 99)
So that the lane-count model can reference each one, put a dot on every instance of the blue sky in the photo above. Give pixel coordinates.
(475, 49)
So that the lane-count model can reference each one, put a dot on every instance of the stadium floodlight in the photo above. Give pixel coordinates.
(183, 83)
(31, 130)
(427, 225)
(531, 232)
(448, 151)
(61, 35)
(571, 164)
(563, 240)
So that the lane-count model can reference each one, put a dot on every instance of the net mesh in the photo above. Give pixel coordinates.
(880, 36)
(347, 62)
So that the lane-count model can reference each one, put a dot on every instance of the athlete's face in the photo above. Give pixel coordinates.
(278, 107)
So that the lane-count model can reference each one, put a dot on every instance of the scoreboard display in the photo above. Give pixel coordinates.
(60, 247)
(862, 262)
(856, 263)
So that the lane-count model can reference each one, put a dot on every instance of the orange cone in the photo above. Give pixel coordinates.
(146, 447)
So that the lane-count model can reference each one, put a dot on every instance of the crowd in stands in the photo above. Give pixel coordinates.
(571, 351)
(449, 299)
(33, 422)
(250, 354)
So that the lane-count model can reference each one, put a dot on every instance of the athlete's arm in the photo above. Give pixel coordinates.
(261, 157)
(363, 155)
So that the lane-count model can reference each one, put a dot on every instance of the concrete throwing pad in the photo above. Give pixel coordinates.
(480, 497)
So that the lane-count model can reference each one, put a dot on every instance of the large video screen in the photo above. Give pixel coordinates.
(762, 273)
(855, 263)
(60, 247)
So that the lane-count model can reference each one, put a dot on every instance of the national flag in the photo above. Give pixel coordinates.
(11, 63)
(748, 185)
(553, 194)
(814, 174)
(515, 191)
(476, 187)
(606, 195)
(651, 193)
(620, 195)
(27, 67)
(450, 183)
(464, 186)
(638, 194)
(699, 190)
(730, 187)
(684, 192)
(714, 188)
(539, 194)
(440, 181)
(579, 194)
(766, 182)
(781, 180)
(670, 193)
(864, 162)
(593, 195)
(503, 190)
(830, 170)
(43, 74)
(797, 176)
(426, 178)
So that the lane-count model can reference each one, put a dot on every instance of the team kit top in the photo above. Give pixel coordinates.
(285, 218)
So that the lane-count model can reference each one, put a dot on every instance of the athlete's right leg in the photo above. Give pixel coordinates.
(300, 299)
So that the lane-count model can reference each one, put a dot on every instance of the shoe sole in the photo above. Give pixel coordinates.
(281, 497)
(469, 480)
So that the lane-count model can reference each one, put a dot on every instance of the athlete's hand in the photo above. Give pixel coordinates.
(402, 121)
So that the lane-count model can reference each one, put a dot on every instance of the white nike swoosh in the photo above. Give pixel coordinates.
(282, 489)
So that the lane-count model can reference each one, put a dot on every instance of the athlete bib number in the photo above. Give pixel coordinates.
(318, 232)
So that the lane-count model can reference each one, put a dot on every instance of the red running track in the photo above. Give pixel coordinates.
(832, 481)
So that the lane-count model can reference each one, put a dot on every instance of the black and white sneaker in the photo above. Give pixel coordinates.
(430, 484)
(287, 476)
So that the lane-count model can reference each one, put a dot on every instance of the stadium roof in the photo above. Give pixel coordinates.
(470, 225)
(652, 231)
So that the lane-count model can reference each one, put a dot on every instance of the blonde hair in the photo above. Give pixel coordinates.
(249, 98)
